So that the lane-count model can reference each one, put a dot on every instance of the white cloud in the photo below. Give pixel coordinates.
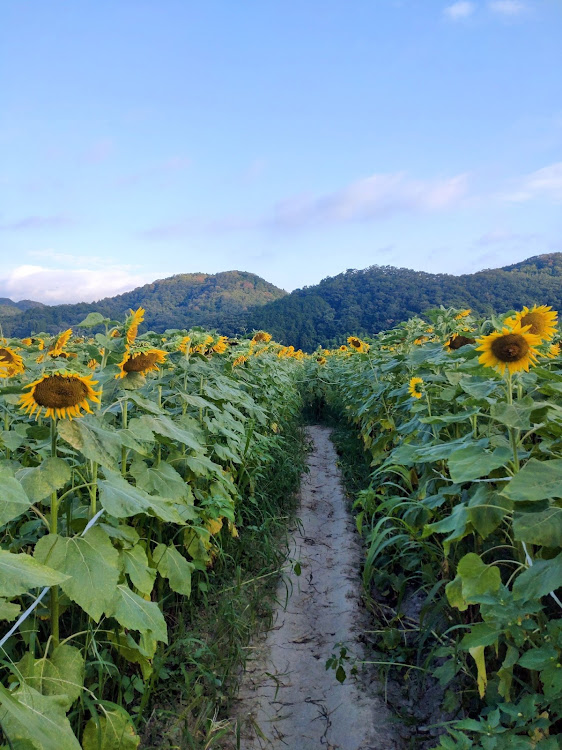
(507, 7)
(545, 183)
(459, 10)
(375, 197)
(56, 286)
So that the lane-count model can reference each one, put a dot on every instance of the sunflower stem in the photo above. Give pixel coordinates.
(54, 530)
(513, 431)
(6, 429)
(124, 406)
(93, 488)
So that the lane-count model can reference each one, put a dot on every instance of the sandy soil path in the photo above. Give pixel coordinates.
(286, 689)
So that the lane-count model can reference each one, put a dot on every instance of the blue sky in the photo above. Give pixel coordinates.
(292, 139)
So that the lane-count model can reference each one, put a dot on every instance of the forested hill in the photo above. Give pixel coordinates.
(212, 300)
(379, 297)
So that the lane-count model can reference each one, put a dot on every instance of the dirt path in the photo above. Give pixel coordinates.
(286, 690)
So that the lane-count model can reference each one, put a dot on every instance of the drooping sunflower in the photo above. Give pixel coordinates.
(541, 319)
(132, 324)
(222, 345)
(553, 351)
(142, 361)
(184, 343)
(414, 387)
(61, 394)
(457, 341)
(239, 361)
(57, 349)
(513, 347)
(10, 362)
(27, 341)
(261, 336)
(463, 314)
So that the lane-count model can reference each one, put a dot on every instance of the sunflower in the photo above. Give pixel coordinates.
(541, 320)
(222, 345)
(92, 364)
(357, 344)
(27, 341)
(457, 341)
(553, 351)
(184, 344)
(56, 349)
(513, 347)
(62, 394)
(343, 348)
(132, 324)
(141, 361)
(10, 362)
(462, 314)
(239, 361)
(261, 336)
(321, 360)
(414, 387)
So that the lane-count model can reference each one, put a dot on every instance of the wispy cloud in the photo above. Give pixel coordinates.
(52, 286)
(459, 10)
(377, 197)
(100, 151)
(36, 222)
(508, 7)
(545, 183)
(168, 167)
(503, 236)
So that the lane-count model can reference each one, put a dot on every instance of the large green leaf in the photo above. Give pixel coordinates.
(543, 528)
(486, 509)
(112, 731)
(122, 500)
(40, 481)
(13, 500)
(174, 567)
(537, 480)
(91, 563)
(540, 579)
(162, 480)
(467, 464)
(473, 579)
(516, 415)
(20, 573)
(90, 438)
(8, 610)
(136, 567)
(26, 714)
(62, 674)
(164, 426)
(134, 613)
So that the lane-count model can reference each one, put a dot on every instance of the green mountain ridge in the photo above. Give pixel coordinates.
(361, 302)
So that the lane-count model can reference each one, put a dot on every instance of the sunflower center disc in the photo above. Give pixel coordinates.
(60, 392)
(510, 348)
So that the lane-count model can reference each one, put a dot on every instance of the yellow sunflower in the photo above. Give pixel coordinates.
(462, 314)
(541, 320)
(414, 387)
(239, 361)
(10, 362)
(141, 361)
(27, 342)
(513, 347)
(56, 349)
(184, 344)
(132, 324)
(222, 345)
(61, 394)
(553, 351)
(321, 360)
(261, 336)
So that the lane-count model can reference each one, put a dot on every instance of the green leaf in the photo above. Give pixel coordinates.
(481, 634)
(134, 613)
(165, 427)
(540, 579)
(91, 563)
(516, 415)
(486, 510)
(477, 387)
(112, 731)
(539, 658)
(537, 480)
(41, 481)
(453, 525)
(93, 319)
(473, 578)
(87, 436)
(121, 500)
(162, 480)
(20, 573)
(136, 566)
(451, 418)
(62, 674)
(472, 462)
(8, 610)
(13, 500)
(28, 715)
(544, 528)
(174, 567)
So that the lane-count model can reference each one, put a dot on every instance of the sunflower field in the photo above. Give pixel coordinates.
(461, 421)
(130, 467)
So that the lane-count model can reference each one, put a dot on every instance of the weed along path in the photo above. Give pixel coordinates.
(286, 690)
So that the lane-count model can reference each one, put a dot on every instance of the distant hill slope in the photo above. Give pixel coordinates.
(379, 297)
(213, 300)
